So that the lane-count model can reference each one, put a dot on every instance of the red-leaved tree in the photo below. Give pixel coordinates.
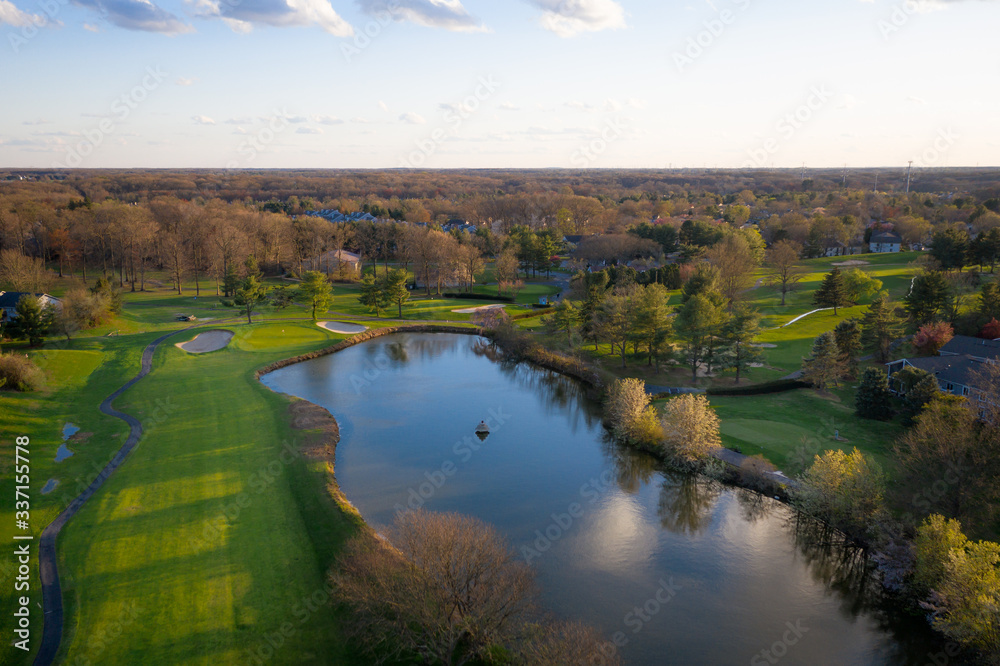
(931, 337)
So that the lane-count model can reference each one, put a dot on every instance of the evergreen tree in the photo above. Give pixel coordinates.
(704, 280)
(652, 319)
(919, 396)
(394, 287)
(928, 295)
(951, 248)
(373, 294)
(250, 295)
(848, 336)
(879, 327)
(872, 399)
(833, 292)
(989, 301)
(32, 322)
(697, 324)
(739, 334)
(565, 319)
(824, 367)
(316, 291)
(231, 281)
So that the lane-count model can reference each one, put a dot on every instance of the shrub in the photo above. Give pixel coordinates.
(991, 331)
(629, 414)
(690, 427)
(753, 473)
(18, 373)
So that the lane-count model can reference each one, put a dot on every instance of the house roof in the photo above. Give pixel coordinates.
(9, 299)
(949, 369)
(886, 237)
(964, 345)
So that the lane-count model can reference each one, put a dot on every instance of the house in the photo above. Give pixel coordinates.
(956, 368)
(336, 216)
(885, 241)
(840, 249)
(457, 224)
(334, 261)
(9, 299)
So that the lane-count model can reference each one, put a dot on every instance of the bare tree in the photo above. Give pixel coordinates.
(19, 272)
(736, 263)
(783, 269)
(445, 587)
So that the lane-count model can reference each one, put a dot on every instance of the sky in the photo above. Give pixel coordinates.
(240, 84)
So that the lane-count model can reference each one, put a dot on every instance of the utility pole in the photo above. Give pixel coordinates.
(908, 169)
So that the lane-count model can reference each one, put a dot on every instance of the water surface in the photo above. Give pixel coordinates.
(682, 570)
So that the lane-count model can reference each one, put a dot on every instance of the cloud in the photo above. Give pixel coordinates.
(308, 130)
(181, 81)
(567, 18)
(412, 118)
(140, 15)
(91, 28)
(239, 121)
(202, 120)
(327, 120)
(848, 101)
(239, 130)
(382, 105)
(913, 99)
(359, 120)
(295, 120)
(37, 121)
(445, 14)
(11, 15)
(244, 15)
(509, 106)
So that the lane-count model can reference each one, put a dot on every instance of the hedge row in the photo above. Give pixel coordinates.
(777, 386)
(530, 315)
(479, 297)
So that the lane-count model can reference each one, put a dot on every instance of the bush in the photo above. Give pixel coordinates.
(18, 373)
(629, 414)
(753, 473)
(777, 386)
(690, 427)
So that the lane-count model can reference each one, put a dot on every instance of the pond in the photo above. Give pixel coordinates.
(675, 568)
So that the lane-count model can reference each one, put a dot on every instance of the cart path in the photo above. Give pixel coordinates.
(52, 602)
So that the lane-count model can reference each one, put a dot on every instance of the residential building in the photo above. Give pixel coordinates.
(885, 241)
(9, 299)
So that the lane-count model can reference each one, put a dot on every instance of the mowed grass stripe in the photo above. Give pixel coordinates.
(201, 535)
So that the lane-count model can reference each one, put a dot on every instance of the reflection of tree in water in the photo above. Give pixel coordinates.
(554, 391)
(753, 505)
(686, 502)
(846, 569)
(633, 469)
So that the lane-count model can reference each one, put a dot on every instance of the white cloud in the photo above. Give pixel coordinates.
(382, 105)
(244, 15)
(239, 130)
(140, 15)
(509, 106)
(202, 120)
(567, 18)
(239, 121)
(360, 120)
(446, 14)
(412, 118)
(308, 130)
(37, 121)
(11, 15)
(91, 28)
(327, 120)
(295, 120)
(181, 81)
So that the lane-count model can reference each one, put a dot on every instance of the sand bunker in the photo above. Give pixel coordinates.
(209, 341)
(342, 327)
(851, 262)
(477, 309)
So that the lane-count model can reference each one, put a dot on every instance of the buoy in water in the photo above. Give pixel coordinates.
(482, 427)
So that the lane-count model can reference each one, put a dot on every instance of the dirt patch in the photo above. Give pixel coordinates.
(209, 341)
(342, 327)
(310, 417)
(79, 438)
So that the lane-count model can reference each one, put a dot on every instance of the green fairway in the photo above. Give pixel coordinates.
(204, 535)
(790, 428)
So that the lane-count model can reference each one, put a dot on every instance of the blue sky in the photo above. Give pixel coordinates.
(522, 83)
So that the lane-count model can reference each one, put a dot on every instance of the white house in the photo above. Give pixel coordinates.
(9, 299)
(885, 241)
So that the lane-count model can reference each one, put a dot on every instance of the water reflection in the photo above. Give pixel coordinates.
(686, 502)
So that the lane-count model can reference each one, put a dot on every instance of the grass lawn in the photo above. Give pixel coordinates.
(790, 428)
(136, 559)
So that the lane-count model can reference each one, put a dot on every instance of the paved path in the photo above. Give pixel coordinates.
(736, 459)
(52, 602)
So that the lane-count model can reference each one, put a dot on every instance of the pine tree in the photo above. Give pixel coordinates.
(928, 295)
(824, 367)
(250, 295)
(833, 292)
(848, 336)
(394, 289)
(32, 322)
(316, 291)
(739, 333)
(879, 327)
(372, 294)
(872, 399)
(565, 319)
